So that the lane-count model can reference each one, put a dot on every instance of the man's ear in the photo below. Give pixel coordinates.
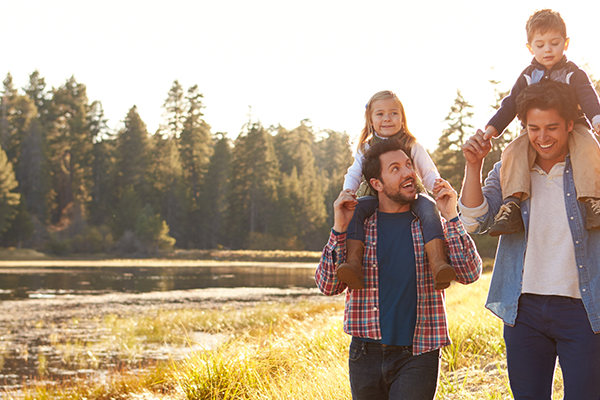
(376, 183)
(570, 126)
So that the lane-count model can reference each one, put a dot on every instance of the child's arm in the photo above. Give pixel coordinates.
(353, 177)
(424, 166)
(588, 98)
(508, 109)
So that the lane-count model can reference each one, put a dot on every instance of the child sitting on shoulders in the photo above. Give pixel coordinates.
(384, 119)
(547, 40)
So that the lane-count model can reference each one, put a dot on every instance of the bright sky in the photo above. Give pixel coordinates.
(288, 60)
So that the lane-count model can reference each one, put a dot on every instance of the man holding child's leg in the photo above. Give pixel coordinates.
(546, 280)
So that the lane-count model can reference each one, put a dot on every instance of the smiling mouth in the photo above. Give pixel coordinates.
(408, 184)
(546, 146)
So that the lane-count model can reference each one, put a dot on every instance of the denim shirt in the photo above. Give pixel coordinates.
(507, 278)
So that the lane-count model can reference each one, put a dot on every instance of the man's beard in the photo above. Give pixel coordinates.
(398, 197)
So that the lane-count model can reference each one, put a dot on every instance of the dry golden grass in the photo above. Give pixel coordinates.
(293, 350)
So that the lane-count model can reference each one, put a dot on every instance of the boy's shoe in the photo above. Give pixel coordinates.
(592, 213)
(351, 272)
(508, 220)
(442, 272)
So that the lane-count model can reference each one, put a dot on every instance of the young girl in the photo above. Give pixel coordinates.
(385, 118)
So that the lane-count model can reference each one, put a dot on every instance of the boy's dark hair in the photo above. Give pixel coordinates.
(548, 95)
(372, 162)
(543, 21)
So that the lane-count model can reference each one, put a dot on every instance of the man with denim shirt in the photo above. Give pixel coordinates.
(398, 321)
(546, 280)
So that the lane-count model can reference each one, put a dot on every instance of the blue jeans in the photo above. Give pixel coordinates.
(547, 327)
(424, 207)
(379, 372)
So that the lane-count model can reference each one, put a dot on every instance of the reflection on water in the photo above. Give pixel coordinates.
(25, 283)
(59, 349)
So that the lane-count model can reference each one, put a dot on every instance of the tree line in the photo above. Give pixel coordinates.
(68, 183)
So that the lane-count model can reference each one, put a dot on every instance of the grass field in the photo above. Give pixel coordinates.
(286, 350)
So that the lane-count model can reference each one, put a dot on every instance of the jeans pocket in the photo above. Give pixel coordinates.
(356, 350)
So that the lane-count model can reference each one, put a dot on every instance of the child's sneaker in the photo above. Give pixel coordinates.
(508, 220)
(592, 213)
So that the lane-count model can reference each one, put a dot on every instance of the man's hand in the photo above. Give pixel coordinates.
(476, 148)
(343, 210)
(446, 198)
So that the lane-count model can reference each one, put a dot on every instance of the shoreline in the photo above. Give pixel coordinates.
(150, 263)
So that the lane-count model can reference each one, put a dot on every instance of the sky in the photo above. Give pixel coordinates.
(283, 61)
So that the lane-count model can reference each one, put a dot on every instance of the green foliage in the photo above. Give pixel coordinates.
(268, 188)
(448, 156)
(57, 245)
(152, 231)
(9, 199)
(253, 188)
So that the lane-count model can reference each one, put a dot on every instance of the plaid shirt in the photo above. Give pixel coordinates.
(361, 314)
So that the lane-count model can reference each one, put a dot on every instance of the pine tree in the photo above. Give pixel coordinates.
(253, 187)
(167, 181)
(9, 198)
(296, 150)
(174, 107)
(499, 143)
(333, 159)
(132, 182)
(70, 148)
(103, 165)
(211, 231)
(448, 156)
(196, 149)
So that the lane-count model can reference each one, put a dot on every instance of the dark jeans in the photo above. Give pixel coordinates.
(424, 207)
(379, 372)
(547, 327)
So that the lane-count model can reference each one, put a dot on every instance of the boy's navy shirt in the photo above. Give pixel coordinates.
(397, 265)
(564, 71)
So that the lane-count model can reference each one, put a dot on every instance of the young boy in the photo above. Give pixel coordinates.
(547, 40)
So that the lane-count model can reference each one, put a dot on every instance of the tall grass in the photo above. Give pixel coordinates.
(288, 350)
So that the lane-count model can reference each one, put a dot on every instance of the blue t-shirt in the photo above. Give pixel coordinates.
(397, 278)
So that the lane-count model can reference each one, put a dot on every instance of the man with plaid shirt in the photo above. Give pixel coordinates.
(398, 321)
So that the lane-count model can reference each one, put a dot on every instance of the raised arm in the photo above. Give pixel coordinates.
(475, 150)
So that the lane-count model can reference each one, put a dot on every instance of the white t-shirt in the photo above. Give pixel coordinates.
(550, 267)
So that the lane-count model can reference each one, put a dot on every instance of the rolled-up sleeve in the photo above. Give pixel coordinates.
(468, 216)
(334, 253)
(463, 254)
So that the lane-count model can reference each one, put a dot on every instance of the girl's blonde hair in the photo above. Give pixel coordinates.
(406, 138)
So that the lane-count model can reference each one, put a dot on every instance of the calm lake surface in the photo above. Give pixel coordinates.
(49, 282)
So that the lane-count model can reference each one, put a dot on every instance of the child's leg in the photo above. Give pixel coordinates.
(585, 158)
(364, 209)
(517, 159)
(351, 272)
(433, 236)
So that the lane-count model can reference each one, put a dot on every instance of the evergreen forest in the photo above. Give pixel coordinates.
(69, 184)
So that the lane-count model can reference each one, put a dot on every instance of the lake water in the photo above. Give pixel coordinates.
(35, 282)
(35, 333)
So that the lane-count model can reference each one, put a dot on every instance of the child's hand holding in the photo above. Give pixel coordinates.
(490, 132)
